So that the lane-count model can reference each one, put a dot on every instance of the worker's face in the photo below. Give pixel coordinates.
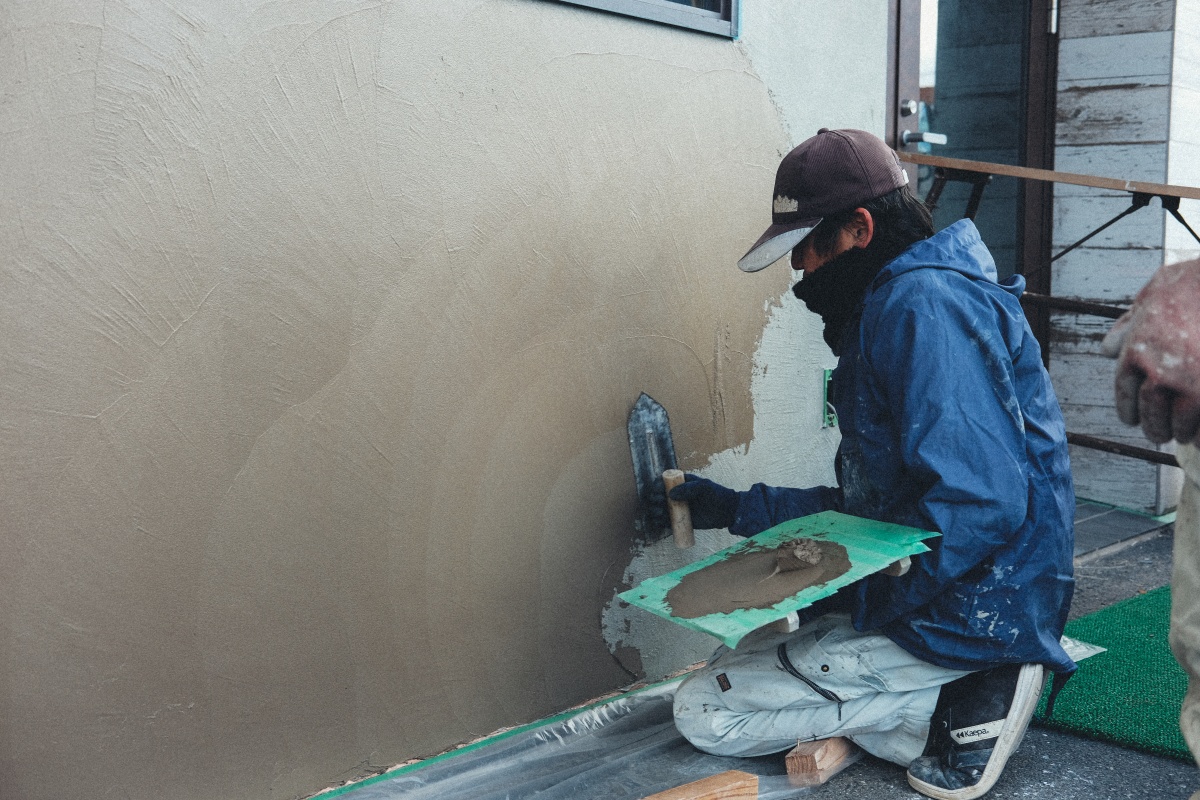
(806, 259)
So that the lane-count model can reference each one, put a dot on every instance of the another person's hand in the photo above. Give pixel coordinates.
(711, 504)
(1158, 345)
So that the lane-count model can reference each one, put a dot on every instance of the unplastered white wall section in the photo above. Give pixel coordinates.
(789, 448)
(319, 326)
(790, 445)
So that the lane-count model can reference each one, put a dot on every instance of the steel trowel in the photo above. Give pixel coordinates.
(653, 453)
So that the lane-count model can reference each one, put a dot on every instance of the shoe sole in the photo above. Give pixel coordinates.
(1025, 700)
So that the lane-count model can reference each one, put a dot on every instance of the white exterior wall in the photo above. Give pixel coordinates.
(1183, 147)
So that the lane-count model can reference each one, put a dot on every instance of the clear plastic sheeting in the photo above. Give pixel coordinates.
(624, 748)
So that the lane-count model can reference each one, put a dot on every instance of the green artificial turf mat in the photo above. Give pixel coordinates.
(1131, 694)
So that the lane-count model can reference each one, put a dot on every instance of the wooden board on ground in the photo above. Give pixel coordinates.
(731, 785)
(814, 763)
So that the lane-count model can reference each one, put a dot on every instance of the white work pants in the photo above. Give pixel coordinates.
(745, 702)
(1185, 594)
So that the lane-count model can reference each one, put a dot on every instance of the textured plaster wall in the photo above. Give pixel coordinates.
(319, 323)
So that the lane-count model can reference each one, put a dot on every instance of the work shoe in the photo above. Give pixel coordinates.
(978, 723)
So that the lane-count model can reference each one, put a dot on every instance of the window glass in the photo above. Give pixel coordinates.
(710, 16)
(973, 92)
(707, 5)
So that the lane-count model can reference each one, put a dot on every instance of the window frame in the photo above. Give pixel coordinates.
(723, 23)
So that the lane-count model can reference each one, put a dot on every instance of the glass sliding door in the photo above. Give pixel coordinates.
(969, 83)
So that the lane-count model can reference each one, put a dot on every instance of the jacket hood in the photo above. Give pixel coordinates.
(956, 247)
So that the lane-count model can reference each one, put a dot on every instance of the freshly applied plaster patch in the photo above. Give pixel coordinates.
(751, 579)
(789, 448)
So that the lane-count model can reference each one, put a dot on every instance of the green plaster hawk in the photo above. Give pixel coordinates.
(741, 588)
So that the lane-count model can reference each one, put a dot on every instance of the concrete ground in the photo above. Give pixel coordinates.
(1058, 765)
(1049, 764)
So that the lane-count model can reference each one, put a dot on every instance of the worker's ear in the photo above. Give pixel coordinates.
(861, 227)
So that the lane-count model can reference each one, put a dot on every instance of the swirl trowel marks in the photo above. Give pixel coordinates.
(758, 578)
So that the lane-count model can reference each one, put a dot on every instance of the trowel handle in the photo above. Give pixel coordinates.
(681, 515)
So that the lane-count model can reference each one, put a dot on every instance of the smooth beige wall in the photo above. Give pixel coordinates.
(319, 325)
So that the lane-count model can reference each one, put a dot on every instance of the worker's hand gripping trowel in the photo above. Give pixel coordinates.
(656, 473)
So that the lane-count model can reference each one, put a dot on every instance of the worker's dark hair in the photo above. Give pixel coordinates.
(900, 220)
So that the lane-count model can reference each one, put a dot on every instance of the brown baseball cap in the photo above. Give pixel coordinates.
(831, 172)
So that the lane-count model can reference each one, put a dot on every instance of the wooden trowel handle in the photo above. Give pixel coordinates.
(681, 515)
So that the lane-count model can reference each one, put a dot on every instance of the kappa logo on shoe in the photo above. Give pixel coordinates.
(977, 733)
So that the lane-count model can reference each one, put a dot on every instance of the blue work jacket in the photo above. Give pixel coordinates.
(949, 423)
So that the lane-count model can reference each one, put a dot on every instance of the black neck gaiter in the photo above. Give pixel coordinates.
(835, 290)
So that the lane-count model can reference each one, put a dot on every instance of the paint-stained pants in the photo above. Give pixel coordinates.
(1185, 595)
(835, 682)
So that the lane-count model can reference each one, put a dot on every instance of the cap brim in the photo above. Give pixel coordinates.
(773, 245)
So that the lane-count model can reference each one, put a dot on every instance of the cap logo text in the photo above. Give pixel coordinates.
(785, 205)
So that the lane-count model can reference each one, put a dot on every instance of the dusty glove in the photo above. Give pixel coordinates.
(1157, 343)
(711, 504)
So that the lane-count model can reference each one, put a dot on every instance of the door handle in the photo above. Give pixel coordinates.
(912, 137)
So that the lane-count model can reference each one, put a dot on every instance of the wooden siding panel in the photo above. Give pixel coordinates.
(1112, 277)
(1084, 385)
(1076, 217)
(1084, 381)
(1082, 18)
(1118, 480)
(1077, 334)
(1129, 56)
(1115, 65)
(1111, 114)
(1138, 162)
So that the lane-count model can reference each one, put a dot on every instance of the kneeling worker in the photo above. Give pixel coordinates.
(948, 423)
